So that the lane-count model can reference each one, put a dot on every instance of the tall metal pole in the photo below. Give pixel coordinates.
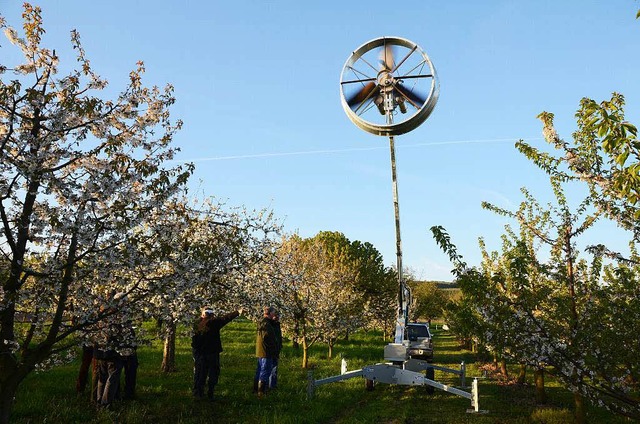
(396, 207)
(401, 319)
(402, 294)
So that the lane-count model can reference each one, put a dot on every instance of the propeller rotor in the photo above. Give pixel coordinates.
(414, 98)
(387, 55)
(365, 93)
(385, 82)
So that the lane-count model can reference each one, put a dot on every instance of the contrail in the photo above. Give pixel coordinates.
(354, 149)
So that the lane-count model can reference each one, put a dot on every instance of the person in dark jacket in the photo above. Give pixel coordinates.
(273, 378)
(129, 357)
(85, 364)
(266, 351)
(206, 347)
(108, 363)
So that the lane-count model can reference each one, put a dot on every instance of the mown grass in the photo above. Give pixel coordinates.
(166, 398)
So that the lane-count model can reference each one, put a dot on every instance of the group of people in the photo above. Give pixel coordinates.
(207, 346)
(111, 348)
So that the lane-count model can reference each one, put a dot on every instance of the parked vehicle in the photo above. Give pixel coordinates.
(420, 344)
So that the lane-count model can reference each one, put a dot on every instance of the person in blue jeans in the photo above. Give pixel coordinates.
(266, 351)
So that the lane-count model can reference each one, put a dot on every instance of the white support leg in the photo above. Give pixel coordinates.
(475, 397)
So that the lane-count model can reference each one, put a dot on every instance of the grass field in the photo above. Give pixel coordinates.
(166, 398)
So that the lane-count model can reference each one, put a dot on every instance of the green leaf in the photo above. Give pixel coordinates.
(602, 130)
(622, 158)
(631, 128)
(591, 122)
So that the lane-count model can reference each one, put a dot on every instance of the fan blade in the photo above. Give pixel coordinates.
(387, 61)
(362, 95)
(415, 99)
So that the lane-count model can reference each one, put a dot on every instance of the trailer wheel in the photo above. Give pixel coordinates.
(368, 385)
(430, 374)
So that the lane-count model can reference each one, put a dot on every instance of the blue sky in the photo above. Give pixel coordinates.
(257, 86)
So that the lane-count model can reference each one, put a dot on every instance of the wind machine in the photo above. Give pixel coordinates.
(388, 87)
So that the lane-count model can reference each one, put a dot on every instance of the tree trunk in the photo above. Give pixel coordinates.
(522, 376)
(305, 351)
(503, 368)
(331, 343)
(169, 353)
(541, 396)
(8, 390)
(296, 335)
(346, 336)
(581, 409)
(7, 395)
(12, 374)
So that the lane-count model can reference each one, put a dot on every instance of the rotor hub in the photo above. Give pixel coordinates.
(385, 79)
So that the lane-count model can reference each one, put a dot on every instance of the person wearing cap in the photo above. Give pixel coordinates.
(206, 347)
(266, 351)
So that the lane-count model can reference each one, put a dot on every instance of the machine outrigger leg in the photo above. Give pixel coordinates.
(408, 375)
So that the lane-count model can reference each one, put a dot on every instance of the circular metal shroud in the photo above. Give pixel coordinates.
(409, 124)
